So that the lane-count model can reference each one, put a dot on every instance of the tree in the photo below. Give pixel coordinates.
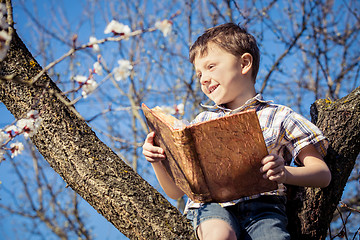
(311, 210)
(86, 164)
(113, 188)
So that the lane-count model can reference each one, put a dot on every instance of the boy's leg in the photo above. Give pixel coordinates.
(211, 221)
(215, 229)
(264, 218)
(268, 227)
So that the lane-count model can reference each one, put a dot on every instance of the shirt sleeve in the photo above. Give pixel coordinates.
(198, 118)
(300, 132)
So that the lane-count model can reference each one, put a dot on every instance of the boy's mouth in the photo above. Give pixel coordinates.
(212, 88)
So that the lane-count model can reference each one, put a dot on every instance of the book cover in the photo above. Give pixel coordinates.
(217, 160)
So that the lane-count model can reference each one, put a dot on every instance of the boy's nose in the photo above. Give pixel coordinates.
(204, 79)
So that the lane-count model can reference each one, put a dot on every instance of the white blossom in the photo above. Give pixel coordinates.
(117, 28)
(37, 119)
(80, 79)
(33, 114)
(89, 86)
(168, 110)
(95, 47)
(123, 70)
(180, 109)
(176, 109)
(16, 149)
(4, 137)
(98, 69)
(29, 125)
(2, 153)
(26, 126)
(164, 26)
(12, 130)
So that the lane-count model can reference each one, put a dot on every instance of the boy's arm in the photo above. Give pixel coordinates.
(155, 155)
(313, 173)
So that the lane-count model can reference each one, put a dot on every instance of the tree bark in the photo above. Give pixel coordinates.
(85, 163)
(310, 210)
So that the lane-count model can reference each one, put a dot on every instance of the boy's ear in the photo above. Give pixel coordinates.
(246, 63)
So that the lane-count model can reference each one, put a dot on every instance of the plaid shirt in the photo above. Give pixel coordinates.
(285, 133)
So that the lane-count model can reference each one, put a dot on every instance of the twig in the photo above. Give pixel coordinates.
(75, 49)
(344, 205)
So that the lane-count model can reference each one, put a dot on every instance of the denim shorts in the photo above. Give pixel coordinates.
(262, 218)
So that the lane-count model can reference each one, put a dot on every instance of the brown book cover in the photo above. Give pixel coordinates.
(213, 161)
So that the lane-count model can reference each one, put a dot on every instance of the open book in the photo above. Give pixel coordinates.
(213, 161)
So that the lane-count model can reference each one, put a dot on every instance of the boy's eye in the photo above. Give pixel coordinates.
(199, 75)
(211, 66)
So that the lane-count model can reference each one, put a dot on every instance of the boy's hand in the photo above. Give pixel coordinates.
(152, 153)
(274, 168)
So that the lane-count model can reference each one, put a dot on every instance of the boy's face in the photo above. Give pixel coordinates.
(222, 77)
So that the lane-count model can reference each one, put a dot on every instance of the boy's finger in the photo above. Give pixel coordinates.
(148, 148)
(150, 137)
(155, 149)
(267, 159)
(272, 165)
(154, 157)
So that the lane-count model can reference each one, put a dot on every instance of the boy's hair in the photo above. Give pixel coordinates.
(230, 37)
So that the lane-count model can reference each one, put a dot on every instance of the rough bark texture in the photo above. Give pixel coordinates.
(310, 210)
(86, 164)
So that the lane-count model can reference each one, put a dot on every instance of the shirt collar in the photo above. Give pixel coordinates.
(252, 102)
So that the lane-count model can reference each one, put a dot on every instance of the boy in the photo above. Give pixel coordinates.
(226, 59)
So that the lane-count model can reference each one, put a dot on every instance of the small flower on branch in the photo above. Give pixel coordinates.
(174, 110)
(123, 70)
(165, 26)
(12, 131)
(29, 125)
(26, 126)
(4, 137)
(179, 109)
(87, 84)
(97, 68)
(16, 148)
(94, 46)
(80, 79)
(117, 28)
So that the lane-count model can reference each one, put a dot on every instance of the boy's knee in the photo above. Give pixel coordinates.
(215, 230)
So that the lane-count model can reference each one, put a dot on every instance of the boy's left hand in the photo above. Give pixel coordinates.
(274, 168)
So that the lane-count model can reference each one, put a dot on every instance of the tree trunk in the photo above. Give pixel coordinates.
(310, 210)
(86, 164)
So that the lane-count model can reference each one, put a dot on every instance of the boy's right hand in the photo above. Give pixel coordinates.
(152, 153)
